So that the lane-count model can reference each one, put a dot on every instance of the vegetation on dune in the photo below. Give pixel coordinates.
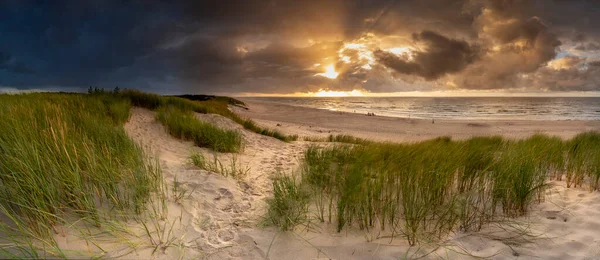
(430, 189)
(230, 169)
(182, 124)
(66, 160)
(289, 204)
(204, 105)
(250, 125)
(228, 100)
(64, 156)
(583, 160)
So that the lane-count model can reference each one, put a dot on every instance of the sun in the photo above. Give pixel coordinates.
(329, 72)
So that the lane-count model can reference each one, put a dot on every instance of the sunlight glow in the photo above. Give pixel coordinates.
(399, 50)
(459, 93)
(329, 73)
(330, 93)
(355, 46)
(364, 55)
(405, 52)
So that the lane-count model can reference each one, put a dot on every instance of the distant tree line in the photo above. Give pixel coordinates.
(117, 91)
(97, 90)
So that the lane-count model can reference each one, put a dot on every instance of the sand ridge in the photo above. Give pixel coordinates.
(217, 209)
(220, 217)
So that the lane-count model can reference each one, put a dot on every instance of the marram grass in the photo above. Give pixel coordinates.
(218, 105)
(430, 189)
(64, 156)
(183, 124)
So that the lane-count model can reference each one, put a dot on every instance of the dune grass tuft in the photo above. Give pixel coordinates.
(427, 190)
(289, 205)
(203, 105)
(64, 156)
(183, 124)
(250, 125)
(229, 169)
(583, 162)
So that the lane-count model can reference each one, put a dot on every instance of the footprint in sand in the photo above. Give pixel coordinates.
(225, 236)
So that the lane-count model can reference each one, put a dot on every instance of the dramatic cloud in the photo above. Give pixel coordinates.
(440, 56)
(516, 45)
(591, 46)
(285, 46)
(8, 64)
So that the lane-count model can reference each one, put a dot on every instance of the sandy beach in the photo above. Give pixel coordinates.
(300, 130)
(321, 123)
(222, 217)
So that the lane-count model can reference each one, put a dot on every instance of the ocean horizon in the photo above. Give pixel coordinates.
(458, 108)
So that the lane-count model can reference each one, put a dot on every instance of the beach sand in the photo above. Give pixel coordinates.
(321, 123)
(221, 217)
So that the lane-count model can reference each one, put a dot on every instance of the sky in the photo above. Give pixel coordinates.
(273, 47)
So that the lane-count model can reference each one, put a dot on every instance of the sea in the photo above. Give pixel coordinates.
(459, 108)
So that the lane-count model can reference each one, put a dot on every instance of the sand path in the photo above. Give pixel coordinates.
(219, 217)
(216, 210)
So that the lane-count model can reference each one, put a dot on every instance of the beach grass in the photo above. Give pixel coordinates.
(430, 189)
(184, 125)
(583, 161)
(204, 105)
(288, 207)
(251, 125)
(67, 156)
(229, 168)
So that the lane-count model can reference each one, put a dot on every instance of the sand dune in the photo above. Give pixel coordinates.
(218, 210)
(220, 217)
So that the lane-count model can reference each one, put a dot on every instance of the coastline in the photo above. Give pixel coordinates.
(218, 209)
(312, 122)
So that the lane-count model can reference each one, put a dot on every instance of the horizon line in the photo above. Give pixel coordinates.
(432, 94)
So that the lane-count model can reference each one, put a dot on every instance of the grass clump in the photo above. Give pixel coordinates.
(289, 206)
(427, 190)
(250, 125)
(583, 161)
(204, 105)
(183, 124)
(233, 169)
(65, 156)
(347, 139)
(340, 138)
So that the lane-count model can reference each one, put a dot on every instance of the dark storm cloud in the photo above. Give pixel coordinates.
(516, 44)
(440, 56)
(4, 58)
(568, 73)
(273, 46)
(12, 66)
(579, 37)
(72, 43)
